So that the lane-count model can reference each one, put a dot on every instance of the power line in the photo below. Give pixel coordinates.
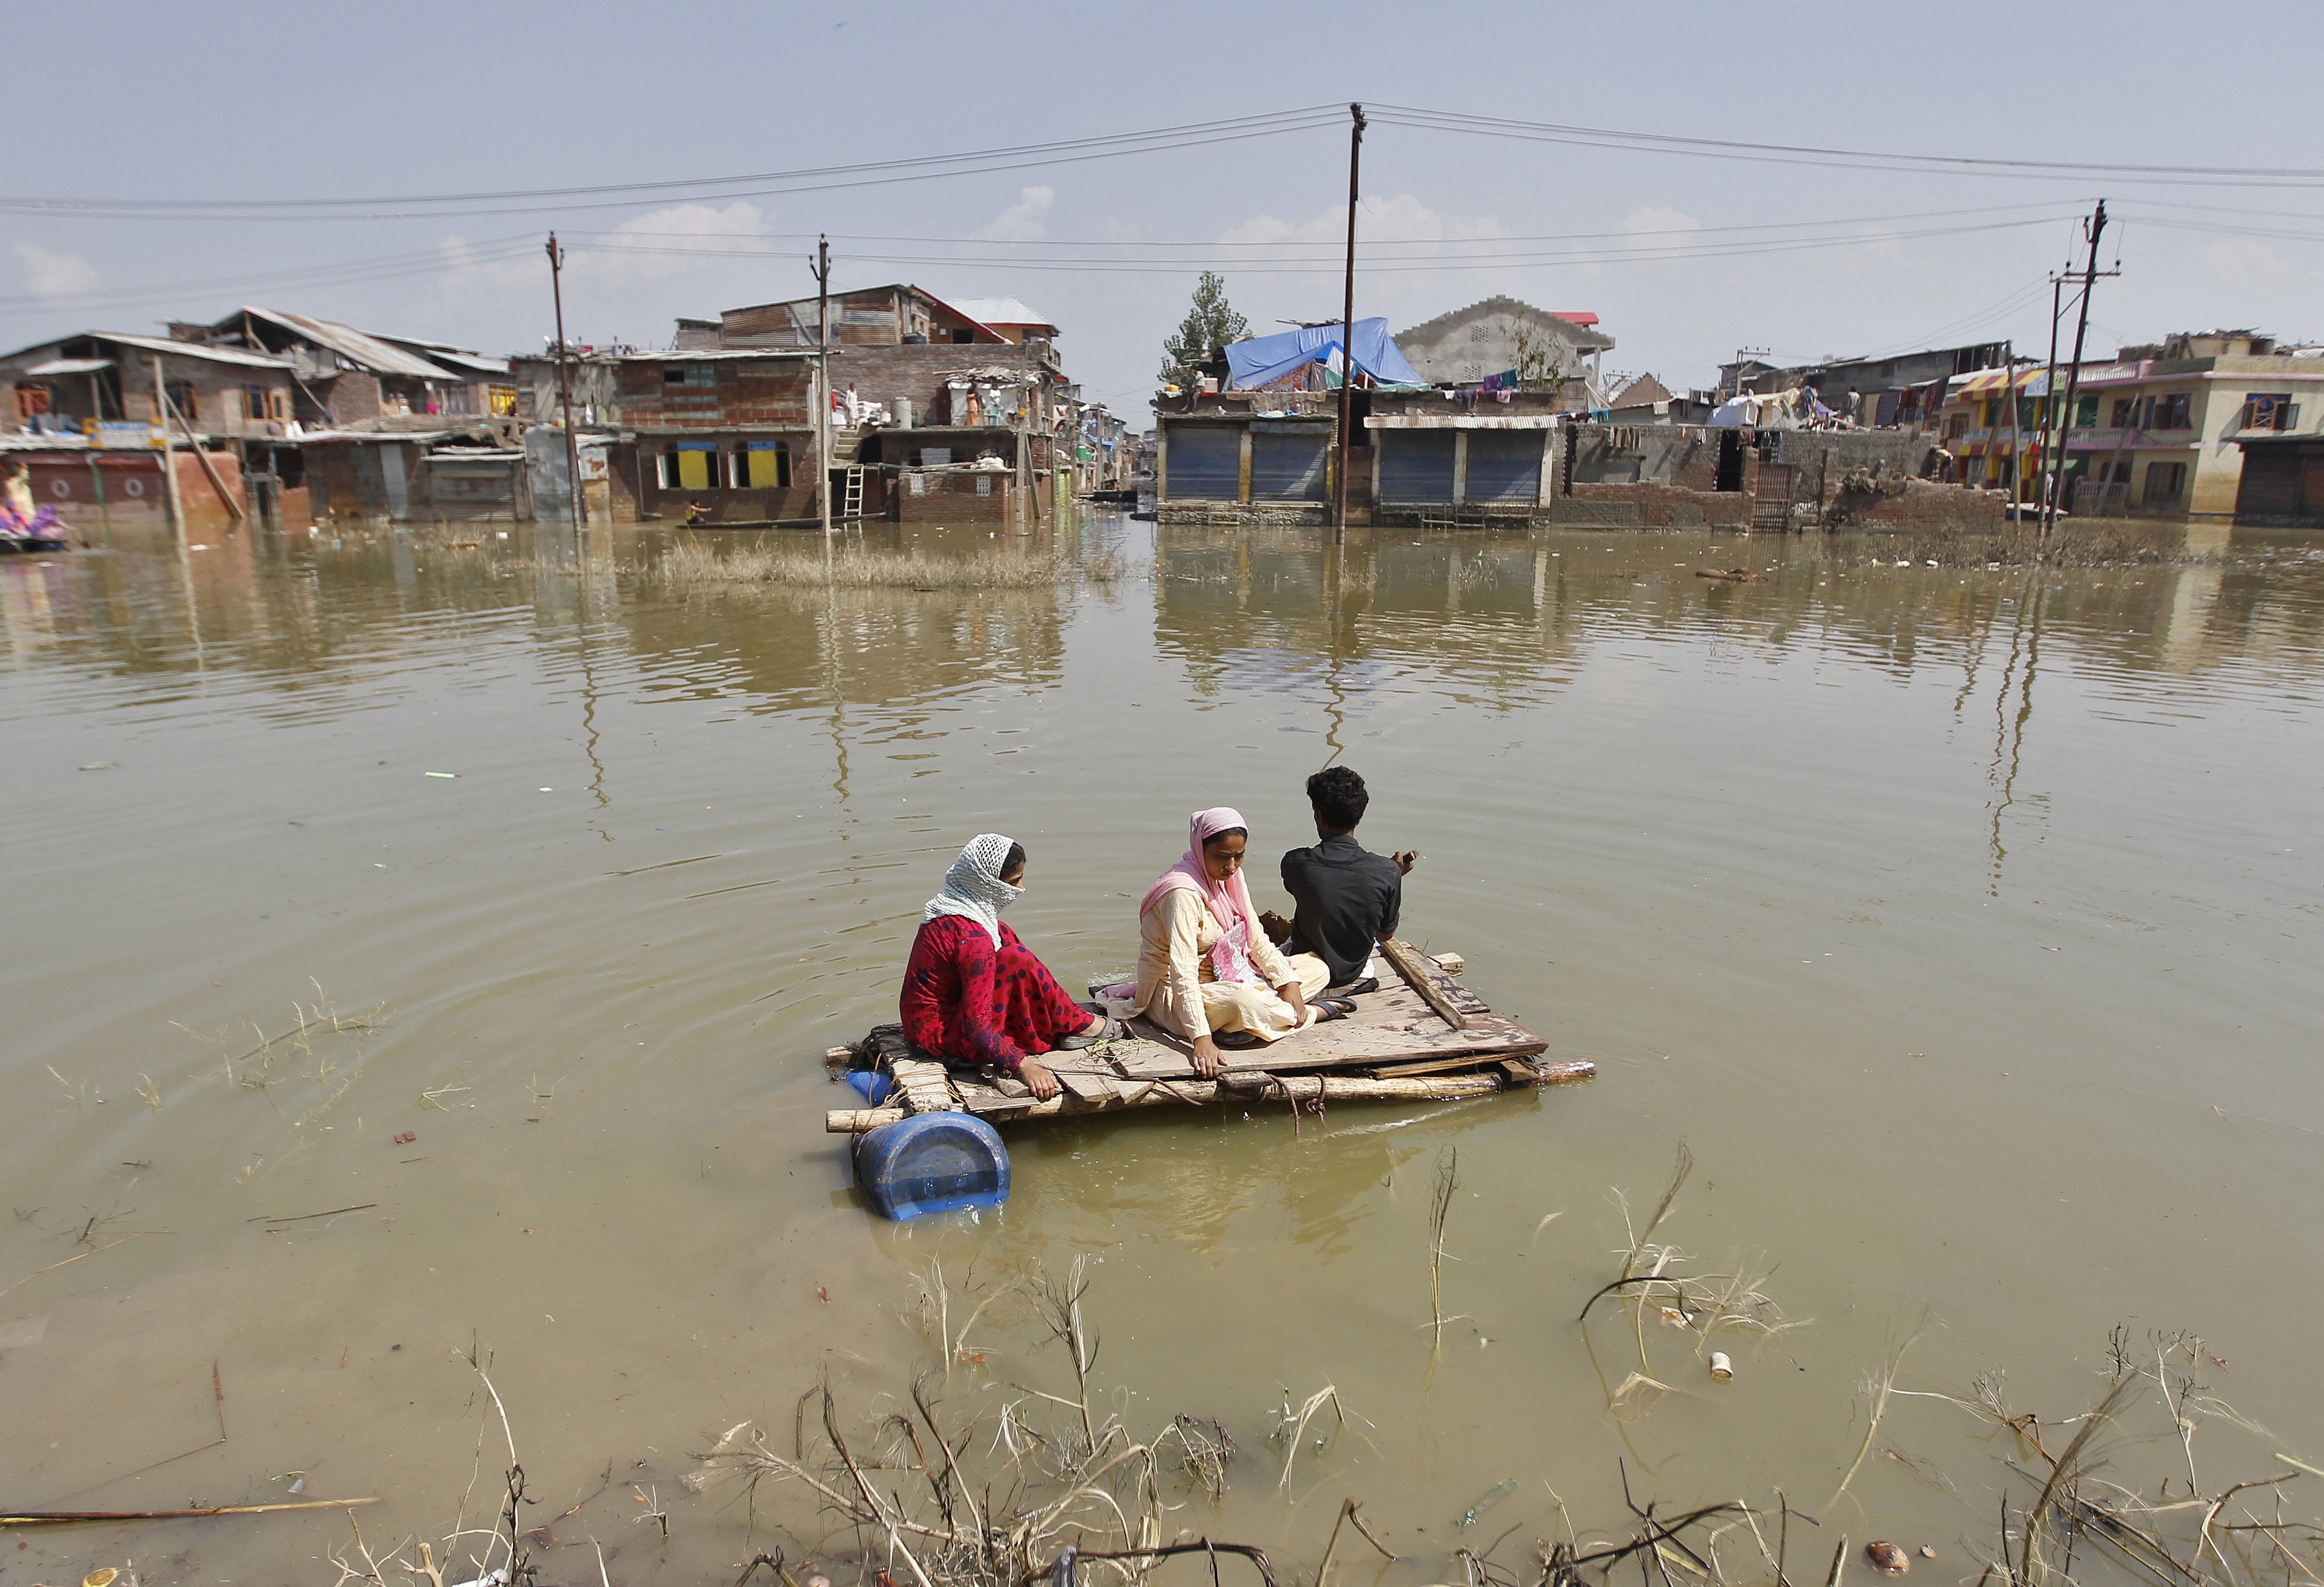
(768, 184)
(1730, 250)
(1333, 245)
(1849, 158)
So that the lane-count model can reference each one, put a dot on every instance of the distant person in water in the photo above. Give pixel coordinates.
(1205, 967)
(1348, 899)
(973, 994)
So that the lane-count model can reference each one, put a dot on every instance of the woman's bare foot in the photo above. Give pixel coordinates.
(1039, 1079)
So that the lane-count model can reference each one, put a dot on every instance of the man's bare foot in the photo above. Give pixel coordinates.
(1039, 1079)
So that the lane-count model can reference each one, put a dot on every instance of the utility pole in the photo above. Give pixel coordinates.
(2049, 400)
(565, 384)
(169, 453)
(2015, 468)
(1348, 329)
(823, 382)
(2095, 226)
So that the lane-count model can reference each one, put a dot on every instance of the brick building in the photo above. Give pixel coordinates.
(346, 376)
(108, 377)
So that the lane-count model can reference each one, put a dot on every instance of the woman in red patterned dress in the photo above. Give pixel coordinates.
(973, 994)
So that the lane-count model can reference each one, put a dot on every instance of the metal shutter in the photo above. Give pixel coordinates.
(1288, 466)
(1204, 463)
(1505, 465)
(1416, 464)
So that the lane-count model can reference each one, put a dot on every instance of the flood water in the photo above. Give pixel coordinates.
(1964, 925)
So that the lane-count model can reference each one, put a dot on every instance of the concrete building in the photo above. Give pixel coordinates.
(2156, 431)
(1502, 340)
(2282, 481)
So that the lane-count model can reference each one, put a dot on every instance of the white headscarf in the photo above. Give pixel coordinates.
(973, 888)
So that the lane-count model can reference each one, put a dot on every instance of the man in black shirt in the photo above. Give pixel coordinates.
(1348, 899)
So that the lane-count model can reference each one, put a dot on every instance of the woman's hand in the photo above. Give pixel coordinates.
(1039, 1079)
(1290, 992)
(1207, 1061)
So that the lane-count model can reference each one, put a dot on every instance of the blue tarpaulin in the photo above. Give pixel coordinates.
(1265, 359)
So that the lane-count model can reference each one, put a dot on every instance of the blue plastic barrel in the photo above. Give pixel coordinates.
(932, 1163)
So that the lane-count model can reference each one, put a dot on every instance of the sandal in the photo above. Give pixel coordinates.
(1112, 1031)
(1235, 1041)
(1331, 1008)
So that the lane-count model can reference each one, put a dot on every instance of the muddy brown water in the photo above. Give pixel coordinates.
(1964, 924)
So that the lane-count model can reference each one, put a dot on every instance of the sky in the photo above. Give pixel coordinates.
(325, 159)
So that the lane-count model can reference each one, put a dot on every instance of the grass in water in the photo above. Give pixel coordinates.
(856, 567)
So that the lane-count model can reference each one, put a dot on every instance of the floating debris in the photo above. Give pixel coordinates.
(1887, 1558)
(1493, 1496)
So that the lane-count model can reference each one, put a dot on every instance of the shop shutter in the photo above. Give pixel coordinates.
(1414, 466)
(1505, 465)
(1288, 466)
(1204, 463)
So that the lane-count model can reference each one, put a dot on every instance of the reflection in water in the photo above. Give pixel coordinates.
(1744, 843)
(2009, 726)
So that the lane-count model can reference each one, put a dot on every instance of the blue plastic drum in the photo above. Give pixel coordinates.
(932, 1163)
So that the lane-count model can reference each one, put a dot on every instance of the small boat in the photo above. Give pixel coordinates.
(34, 542)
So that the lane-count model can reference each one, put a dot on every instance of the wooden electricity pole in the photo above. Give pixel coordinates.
(564, 383)
(2096, 224)
(1348, 329)
(823, 382)
(168, 454)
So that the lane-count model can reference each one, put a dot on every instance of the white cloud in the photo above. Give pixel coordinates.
(679, 241)
(55, 275)
(682, 240)
(1300, 278)
(1027, 220)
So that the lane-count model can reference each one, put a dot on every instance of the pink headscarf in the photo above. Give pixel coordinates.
(1229, 900)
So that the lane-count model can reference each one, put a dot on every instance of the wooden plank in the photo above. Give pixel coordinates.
(1452, 1066)
(1410, 966)
(1088, 1084)
(1302, 1088)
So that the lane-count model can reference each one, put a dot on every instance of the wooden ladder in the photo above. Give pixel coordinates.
(851, 500)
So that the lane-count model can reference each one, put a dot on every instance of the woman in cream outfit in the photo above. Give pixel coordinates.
(1205, 966)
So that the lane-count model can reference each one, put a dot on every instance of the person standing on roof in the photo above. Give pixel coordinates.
(1348, 899)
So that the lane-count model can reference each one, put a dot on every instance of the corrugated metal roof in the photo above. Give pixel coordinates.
(189, 350)
(1000, 311)
(444, 354)
(71, 366)
(470, 362)
(365, 351)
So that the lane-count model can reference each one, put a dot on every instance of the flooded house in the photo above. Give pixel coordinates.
(89, 414)
(938, 413)
(344, 375)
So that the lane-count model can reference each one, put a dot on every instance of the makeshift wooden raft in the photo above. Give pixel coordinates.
(1423, 1037)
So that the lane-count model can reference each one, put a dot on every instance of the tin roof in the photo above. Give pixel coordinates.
(70, 366)
(181, 350)
(1011, 312)
(366, 351)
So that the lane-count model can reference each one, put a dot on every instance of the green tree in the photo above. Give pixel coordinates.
(1210, 325)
